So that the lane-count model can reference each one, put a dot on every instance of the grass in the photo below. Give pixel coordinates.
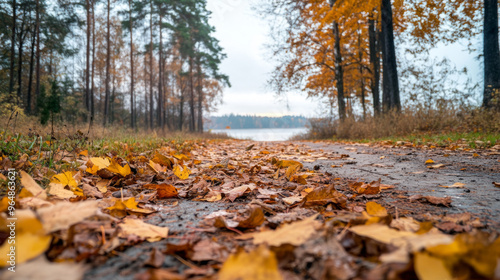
(444, 127)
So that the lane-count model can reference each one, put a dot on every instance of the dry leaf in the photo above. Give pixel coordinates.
(456, 185)
(436, 166)
(181, 173)
(32, 186)
(375, 209)
(42, 269)
(143, 230)
(429, 268)
(496, 184)
(296, 233)
(96, 164)
(116, 168)
(65, 179)
(30, 239)
(59, 191)
(260, 263)
(429, 161)
(323, 196)
(163, 190)
(366, 189)
(444, 201)
(65, 214)
(121, 208)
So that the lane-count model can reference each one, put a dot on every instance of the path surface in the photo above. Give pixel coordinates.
(405, 168)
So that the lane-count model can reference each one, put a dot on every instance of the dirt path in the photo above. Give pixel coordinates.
(405, 168)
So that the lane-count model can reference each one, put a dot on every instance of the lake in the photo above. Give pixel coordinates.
(262, 134)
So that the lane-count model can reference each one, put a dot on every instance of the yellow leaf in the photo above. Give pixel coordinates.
(121, 208)
(475, 155)
(96, 164)
(157, 167)
(31, 240)
(116, 168)
(142, 230)
(183, 174)
(163, 160)
(59, 191)
(259, 264)
(429, 161)
(292, 169)
(375, 209)
(429, 268)
(287, 163)
(84, 153)
(65, 179)
(32, 186)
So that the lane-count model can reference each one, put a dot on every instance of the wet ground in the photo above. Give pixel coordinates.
(405, 168)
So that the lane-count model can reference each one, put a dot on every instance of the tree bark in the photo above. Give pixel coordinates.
(391, 83)
(199, 89)
(339, 71)
(20, 60)
(30, 79)
(160, 73)
(87, 68)
(375, 65)
(151, 108)
(13, 46)
(362, 79)
(491, 55)
(37, 70)
(92, 80)
(191, 96)
(108, 67)
(132, 104)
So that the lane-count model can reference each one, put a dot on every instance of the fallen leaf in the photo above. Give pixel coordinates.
(30, 185)
(323, 196)
(209, 250)
(296, 233)
(162, 160)
(456, 185)
(30, 239)
(375, 209)
(292, 199)
(59, 191)
(288, 163)
(42, 269)
(429, 161)
(444, 201)
(496, 184)
(65, 214)
(95, 164)
(116, 168)
(158, 168)
(291, 170)
(65, 179)
(163, 190)
(183, 173)
(143, 230)
(260, 263)
(367, 189)
(121, 208)
(429, 268)
(239, 191)
(436, 166)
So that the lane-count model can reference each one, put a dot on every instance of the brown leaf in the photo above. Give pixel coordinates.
(163, 190)
(323, 196)
(209, 250)
(64, 214)
(294, 234)
(155, 258)
(143, 230)
(444, 201)
(366, 189)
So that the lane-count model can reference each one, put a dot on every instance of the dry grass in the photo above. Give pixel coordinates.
(407, 123)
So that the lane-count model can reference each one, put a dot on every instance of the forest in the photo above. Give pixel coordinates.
(151, 64)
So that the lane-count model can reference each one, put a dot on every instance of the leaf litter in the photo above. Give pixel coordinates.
(276, 220)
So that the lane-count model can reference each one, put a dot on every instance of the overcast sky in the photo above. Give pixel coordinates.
(243, 36)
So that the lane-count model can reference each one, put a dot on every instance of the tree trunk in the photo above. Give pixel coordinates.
(132, 104)
(87, 68)
(151, 108)
(339, 71)
(199, 89)
(30, 79)
(375, 65)
(92, 80)
(390, 80)
(160, 74)
(191, 96)
(13, 46)
(362, 79)
(108, 67)
(37, 70)
(491, 55)
(20, 60)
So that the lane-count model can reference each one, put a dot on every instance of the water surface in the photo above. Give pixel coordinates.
(262, 134)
